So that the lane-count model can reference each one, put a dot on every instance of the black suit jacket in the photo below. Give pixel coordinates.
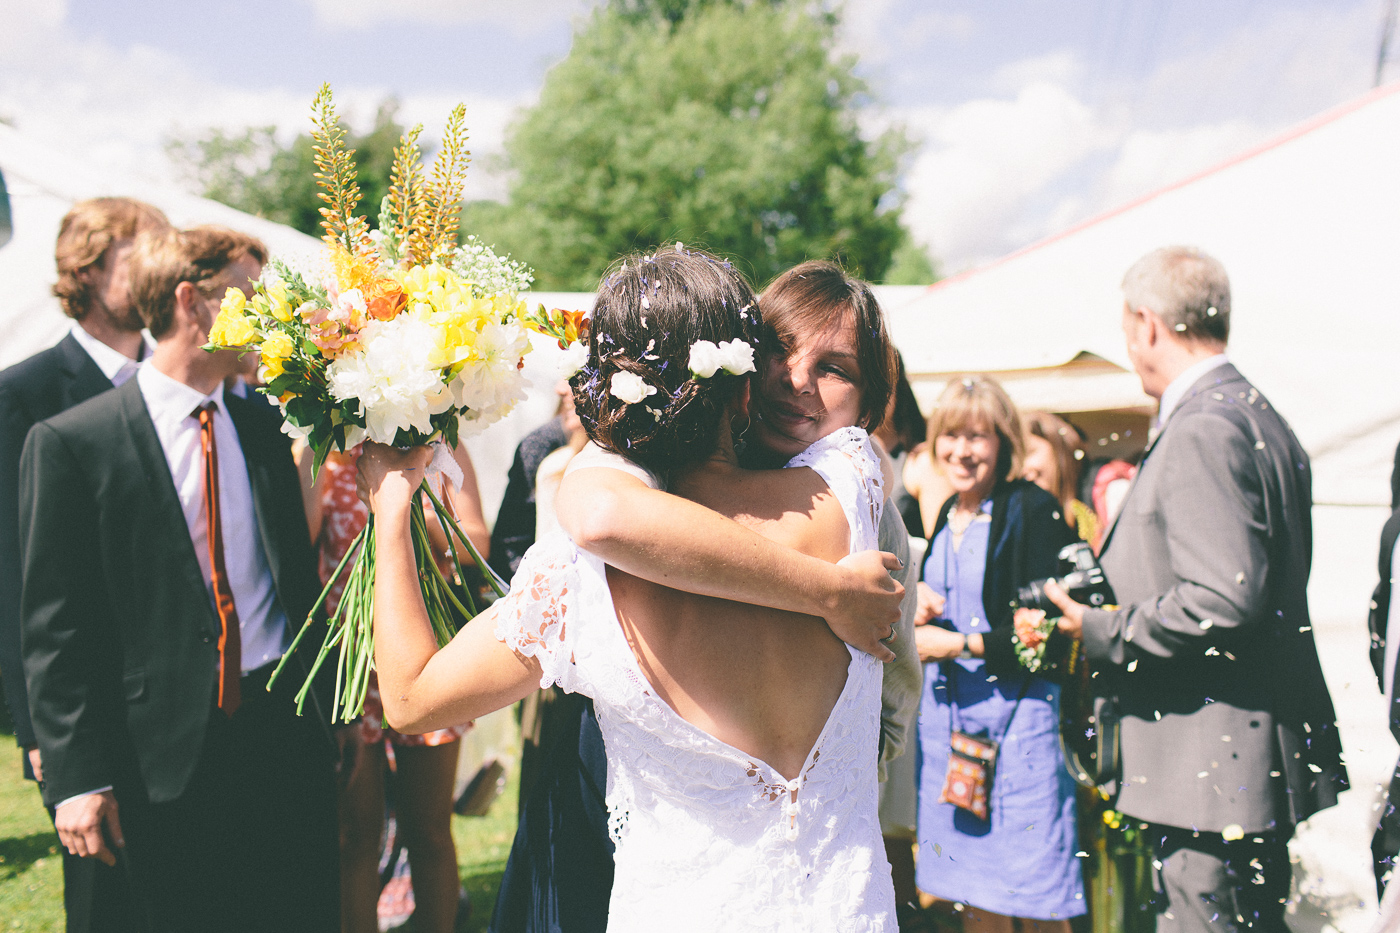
(120, 633)
(40, 387)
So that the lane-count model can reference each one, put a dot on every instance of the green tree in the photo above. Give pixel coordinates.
(253, 172)
(727, 125)
(911, 265)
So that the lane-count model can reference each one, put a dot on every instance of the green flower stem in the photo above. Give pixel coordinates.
(497, 584)
(321, 600)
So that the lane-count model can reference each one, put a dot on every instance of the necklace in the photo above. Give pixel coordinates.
(959, 520)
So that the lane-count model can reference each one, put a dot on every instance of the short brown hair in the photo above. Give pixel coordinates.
(166, 258)
(980, 400)
(1188, 289)
(88, 229)
(1068, 446)
(813, 296)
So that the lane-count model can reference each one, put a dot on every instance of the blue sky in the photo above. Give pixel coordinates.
(1028, 116)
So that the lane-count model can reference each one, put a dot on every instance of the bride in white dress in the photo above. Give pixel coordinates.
(742, 741)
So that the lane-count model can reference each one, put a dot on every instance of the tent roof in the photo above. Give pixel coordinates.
(43, 185)
(1308, 226)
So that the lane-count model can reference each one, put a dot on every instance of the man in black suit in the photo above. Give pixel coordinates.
(101, 351)
(165, 557)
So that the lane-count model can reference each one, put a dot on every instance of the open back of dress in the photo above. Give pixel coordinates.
(708, 837)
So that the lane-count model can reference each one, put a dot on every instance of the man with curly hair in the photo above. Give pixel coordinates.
(101, 351)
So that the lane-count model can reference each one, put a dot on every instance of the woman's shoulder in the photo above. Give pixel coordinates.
(848, 464)
(851, 445)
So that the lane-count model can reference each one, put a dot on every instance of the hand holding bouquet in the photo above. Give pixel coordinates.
(405, 338)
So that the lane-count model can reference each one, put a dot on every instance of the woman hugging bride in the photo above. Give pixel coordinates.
(742, 741)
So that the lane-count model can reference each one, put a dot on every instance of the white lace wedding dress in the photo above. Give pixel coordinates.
(710, 838)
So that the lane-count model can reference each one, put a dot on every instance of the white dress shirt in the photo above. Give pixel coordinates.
(261, 622)
(1175, 392)
(115, 365)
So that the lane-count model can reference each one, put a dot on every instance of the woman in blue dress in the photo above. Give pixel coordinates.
(996, 533)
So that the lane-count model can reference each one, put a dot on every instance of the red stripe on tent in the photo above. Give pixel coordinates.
(1302, 129)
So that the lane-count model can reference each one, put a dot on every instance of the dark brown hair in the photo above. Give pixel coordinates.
(164, 259)
(817, 295)
(84, 236)
(649, 311)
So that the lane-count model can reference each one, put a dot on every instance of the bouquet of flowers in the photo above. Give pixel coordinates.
(404, 338)
(1033, 630)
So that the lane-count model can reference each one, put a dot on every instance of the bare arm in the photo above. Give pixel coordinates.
(424, 688)
(674, 542)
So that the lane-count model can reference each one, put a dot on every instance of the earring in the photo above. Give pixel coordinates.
(739, 433)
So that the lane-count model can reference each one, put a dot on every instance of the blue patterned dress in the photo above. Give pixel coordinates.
(1021, 862)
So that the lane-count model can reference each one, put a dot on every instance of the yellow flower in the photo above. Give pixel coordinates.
(277, 346)
(234, 301)
(231, 328)
(280, 307)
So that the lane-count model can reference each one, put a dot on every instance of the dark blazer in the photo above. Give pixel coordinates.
(1226, 717)
(1028, 530)
(30, 391)
(120, 634)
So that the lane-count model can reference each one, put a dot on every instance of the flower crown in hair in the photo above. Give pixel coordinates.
(733, 356)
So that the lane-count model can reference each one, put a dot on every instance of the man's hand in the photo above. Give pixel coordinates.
(931, 605)
(36, 762)
(937, 644)
(866, 607)
(81, 824)
(1072, 622)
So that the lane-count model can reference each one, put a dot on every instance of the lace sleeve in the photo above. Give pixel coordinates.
(539, 617)
(848, 463)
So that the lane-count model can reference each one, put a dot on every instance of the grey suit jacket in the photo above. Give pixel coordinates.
(1226, 718)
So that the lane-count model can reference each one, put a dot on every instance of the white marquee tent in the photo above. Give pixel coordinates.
(1308, 226)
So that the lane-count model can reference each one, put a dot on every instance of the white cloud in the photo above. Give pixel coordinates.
(1038, 153)
(115, 107)
(521, 17)
(984, 162)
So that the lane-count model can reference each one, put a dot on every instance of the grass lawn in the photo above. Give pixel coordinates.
(31, 872)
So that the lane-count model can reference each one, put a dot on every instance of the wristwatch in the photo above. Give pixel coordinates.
(966, 653)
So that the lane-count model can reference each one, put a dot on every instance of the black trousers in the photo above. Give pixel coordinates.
(252, 844)
(1207, 884)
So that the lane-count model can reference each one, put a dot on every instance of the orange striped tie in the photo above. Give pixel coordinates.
(230, 641)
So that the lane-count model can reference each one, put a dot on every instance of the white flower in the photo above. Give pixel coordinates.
(705, 359)
(630, 388)
(295, 431)
(732, 356)
(493, 368)
(574, 358)
(738, 357)
(393, 378)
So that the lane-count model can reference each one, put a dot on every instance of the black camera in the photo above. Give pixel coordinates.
(1080, 576)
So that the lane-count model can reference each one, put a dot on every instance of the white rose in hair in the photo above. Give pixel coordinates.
(574, 358)
(705, 359)
(630, 388)
(736, 356)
